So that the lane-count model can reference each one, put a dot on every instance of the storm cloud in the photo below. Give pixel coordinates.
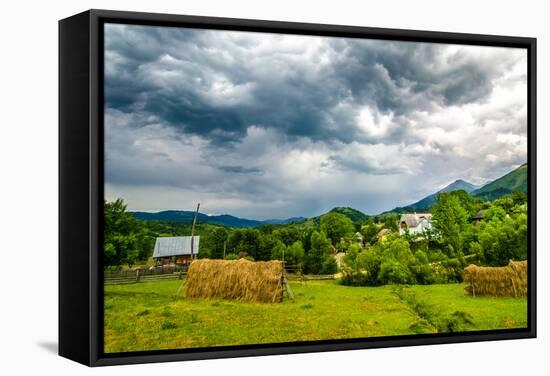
(268, 125)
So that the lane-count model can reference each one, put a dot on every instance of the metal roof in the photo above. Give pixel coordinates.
(412, 220)
(175, 246)
(480, 214)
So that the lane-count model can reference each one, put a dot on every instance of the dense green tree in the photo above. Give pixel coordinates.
(494, 212)
(336, 226)
(450, 219)
(505, 202)
(391, 261)
(125, 239)
(295, 254)
(519, 198)
(320, 246)
(369, 231)
(329, 265)
(502, 240)
(390, 221)
(279, 250)
(217, 240)
(245, 241)
(394, 272)
(267, 244)
(287, 234)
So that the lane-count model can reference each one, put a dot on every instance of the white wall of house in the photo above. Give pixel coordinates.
(422, 226)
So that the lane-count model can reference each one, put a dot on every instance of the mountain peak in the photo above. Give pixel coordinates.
(459, 184)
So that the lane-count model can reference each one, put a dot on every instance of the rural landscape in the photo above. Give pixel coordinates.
(265, 188)
(350, 275)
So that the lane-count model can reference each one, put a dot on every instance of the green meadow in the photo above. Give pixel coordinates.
(149, 316)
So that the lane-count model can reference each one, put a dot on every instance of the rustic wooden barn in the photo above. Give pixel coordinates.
(176, 249)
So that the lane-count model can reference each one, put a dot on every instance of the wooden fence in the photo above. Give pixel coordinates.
(116, 277)
(113, 277)
(295, 273)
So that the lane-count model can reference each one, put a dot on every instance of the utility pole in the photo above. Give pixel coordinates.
(193, 231)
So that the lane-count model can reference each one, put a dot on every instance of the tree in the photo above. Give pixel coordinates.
(278, 250)
(502, 240)
(393, 272)
(450, 220)
(125, 239)
(391, 221)
(245, 241)
(320, 246)
(329, 265)
(295, 254)
(369, 232)
(267, 244)
(494, 212)
(505, 202)
(336, 226)
(217, 240)
(287, 234)
(519, 198)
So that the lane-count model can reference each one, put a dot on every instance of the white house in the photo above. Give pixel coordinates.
(416, 223)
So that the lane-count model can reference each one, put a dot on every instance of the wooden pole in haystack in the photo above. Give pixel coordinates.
(285, 280)
(193, 231)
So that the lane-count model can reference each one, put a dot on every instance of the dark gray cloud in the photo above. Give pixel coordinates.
(241, 169)
(270, 121)
(173, 74)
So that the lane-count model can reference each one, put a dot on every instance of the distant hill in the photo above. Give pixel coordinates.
(222, 220)
(355, 215)
(515, 180)
(430, 200)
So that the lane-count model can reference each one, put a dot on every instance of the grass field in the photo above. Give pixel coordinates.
(147, 316)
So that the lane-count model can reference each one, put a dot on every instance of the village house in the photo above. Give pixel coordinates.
(479, 216)
(175, 250)
(360, 239)
(382, 233)
(414, 224)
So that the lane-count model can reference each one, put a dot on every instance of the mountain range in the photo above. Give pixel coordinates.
(516, 180)
(430, 200)
(222, 220)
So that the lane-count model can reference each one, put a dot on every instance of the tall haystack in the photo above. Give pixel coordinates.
(260, 281)
(510, 280)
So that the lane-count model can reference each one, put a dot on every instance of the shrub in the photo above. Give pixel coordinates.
(329, 265)
(458, 321)
(355, 279)
(393, 272)
(231, 256)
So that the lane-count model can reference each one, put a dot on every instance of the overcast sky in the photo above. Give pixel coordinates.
(274, 126)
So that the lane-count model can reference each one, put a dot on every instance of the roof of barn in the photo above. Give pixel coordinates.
(175, 246)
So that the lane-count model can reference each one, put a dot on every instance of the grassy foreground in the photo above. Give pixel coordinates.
(147, 316)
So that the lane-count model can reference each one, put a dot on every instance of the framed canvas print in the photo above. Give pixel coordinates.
(235, 187)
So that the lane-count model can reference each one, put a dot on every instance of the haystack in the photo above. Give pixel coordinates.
(260, 281)
(510, 280)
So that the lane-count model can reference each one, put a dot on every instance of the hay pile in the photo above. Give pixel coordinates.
(235, 279)
(510, 280)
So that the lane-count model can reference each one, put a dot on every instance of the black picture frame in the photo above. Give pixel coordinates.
(81, 185)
